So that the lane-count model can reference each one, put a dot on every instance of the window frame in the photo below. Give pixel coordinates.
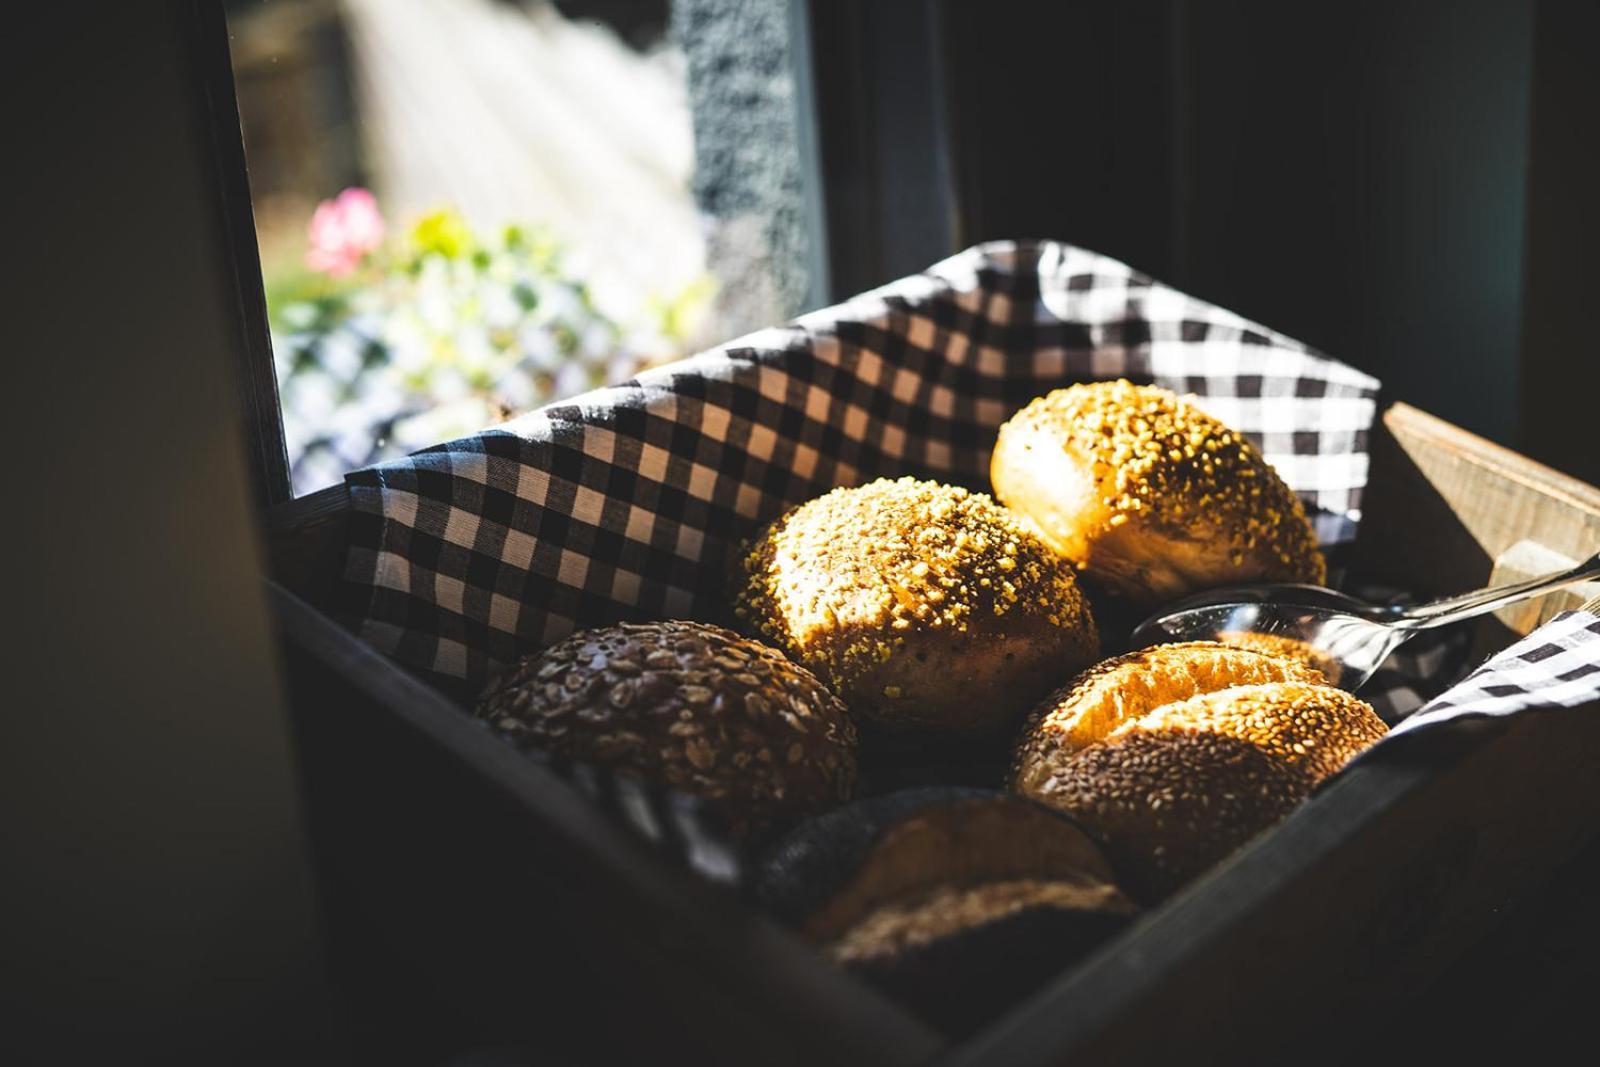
(223, 143)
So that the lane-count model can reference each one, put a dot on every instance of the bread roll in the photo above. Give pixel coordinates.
(1197, 754)
(924, 606)
(1125, 689)
(687, 705)
(956, 901)
(1149, 494)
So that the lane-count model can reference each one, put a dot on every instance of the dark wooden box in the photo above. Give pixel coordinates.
(476, 900)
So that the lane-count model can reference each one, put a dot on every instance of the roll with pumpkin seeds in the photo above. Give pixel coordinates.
(687, 705)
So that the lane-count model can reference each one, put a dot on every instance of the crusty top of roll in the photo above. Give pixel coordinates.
(1126, 688)
(694, 706)
(1283, 646)
(951, 909)
(1311, 729)
(845, 576)
(1172, 791)
(1162, 460)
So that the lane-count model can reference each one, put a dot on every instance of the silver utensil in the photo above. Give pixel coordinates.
(1348, 638)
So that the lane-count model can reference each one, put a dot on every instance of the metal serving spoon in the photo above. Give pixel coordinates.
(1348, 638)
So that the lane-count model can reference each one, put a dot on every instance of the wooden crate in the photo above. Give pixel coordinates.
(536, 921)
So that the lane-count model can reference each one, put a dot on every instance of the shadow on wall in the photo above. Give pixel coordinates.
(1353, 175)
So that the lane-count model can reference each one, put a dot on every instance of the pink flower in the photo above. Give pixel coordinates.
(343, 231)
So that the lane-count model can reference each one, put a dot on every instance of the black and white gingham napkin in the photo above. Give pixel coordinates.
(622, 503)
(1556, 666)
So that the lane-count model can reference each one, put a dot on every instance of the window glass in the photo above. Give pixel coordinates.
(467, 208)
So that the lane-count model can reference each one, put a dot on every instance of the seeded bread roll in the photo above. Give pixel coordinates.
(1167, 806)
(1121, 690)
(956, 901)
(922, 605)
(691, 706)
(1149, 494)
(1200, 750)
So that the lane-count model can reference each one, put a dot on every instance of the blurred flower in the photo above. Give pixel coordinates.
(443, 232)
(343, 232)
(443, 332)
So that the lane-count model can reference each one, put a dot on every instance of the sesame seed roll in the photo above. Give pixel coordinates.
(1149, 494)
(922, 605)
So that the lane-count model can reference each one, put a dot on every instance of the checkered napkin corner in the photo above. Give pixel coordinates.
(1556, 666)
(622, 503)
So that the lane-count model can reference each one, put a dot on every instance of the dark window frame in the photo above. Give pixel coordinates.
(224, 143)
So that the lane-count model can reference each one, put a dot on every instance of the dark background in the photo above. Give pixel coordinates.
(1408, 186)
(158, 896)
(1405, 186)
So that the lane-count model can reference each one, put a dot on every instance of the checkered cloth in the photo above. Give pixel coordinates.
(1556, 666)
(1417, 672)
(622, 503)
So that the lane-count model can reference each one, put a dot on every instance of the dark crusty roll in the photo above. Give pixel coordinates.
(688, 705)
(956, 901)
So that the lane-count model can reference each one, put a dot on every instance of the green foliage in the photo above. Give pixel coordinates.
(441, 331)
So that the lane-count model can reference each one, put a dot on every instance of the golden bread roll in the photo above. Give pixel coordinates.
(1149, 494)
(1313, 730)
(695, 707)
(1202, 750)
(924, 606)
(1125, 689)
